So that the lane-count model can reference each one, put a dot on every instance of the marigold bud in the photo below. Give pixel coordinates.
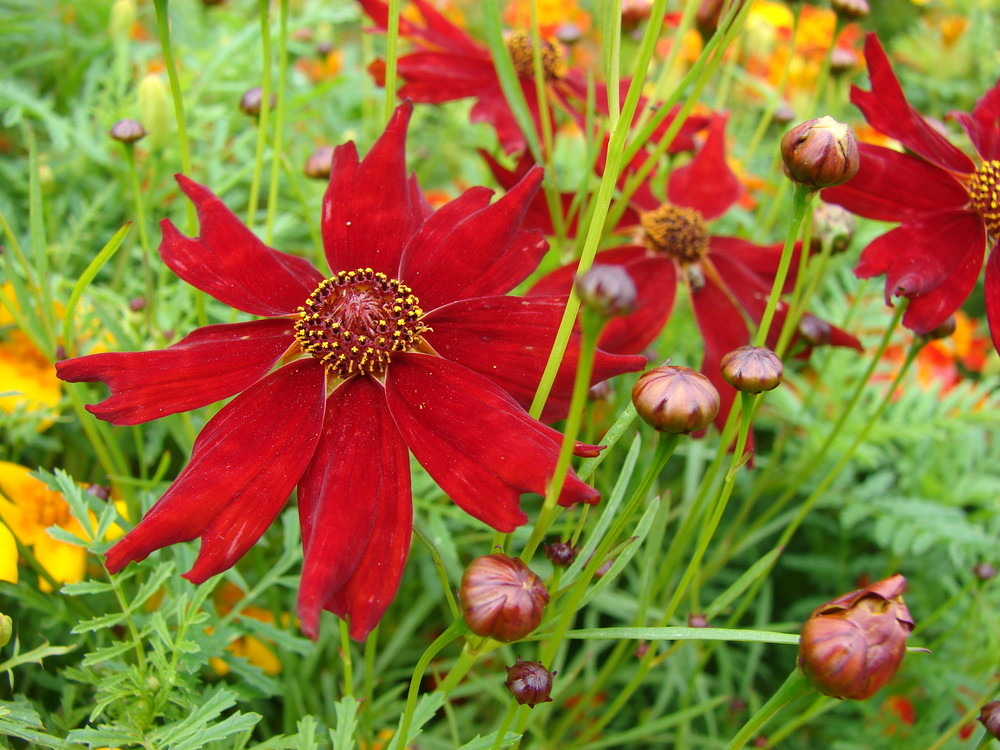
(123, 14)
(852, 10)
(561, 554)
(502, 598)
(850, 647)
(607, 290)
(127, 131)
(6, 629)
(752, 369)
(155, 108)
(675, 399)
(820, 153)
(989, 715)
(529, 682)
(319, 163)
(833, 225)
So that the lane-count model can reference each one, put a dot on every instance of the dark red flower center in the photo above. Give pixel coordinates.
(521, 52)
(677, 231)
(984, 188)
(355, 321)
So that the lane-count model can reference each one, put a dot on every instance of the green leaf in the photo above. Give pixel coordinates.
(347, 721)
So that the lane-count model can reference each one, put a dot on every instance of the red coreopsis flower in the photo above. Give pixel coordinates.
(727, 279)
(450, 65)
(410, 345)
(948, 205)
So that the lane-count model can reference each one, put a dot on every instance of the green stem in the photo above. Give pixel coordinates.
(279, 112)
(391, 58)
(265, 110)
(140, 219)
(794, 687)
(453, 632)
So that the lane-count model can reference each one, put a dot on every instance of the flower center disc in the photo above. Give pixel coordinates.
(355, 321)
(677, 231)
(553, 59)
(984, 188)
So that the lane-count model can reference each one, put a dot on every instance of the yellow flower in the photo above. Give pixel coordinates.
(25, 374)
(253, 649)
(28, 508)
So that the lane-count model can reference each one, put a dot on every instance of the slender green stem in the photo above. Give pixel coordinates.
(391, 60)
(140, 220)
(453, 632)
(794, 687)
(345, 658)
(264, 117)
(279, 114)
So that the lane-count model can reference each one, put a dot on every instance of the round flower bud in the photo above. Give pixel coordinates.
(127, 131)
(784, 114)
(529, 682)
(6, 629)
(843, 60)
(989, 715)
(501, 598)
(984, 571)
(675, 399)
(697, 620)
(319, 163)
(850, 647)
(833, 225)
(752, 369)
(123, 14)
(944, 330)
(253, 100)
(635, 12)
(561, 554)
(852, 10)
(607, 290)
(815, 331)
(820, 153)
(155, 108)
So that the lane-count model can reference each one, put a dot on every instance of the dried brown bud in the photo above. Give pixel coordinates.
(607, 290)
(833, 225)
(127, 131)
(944, 330)
(989, 715)
(252, 101)
(675, 399)
(820, 153)
(502, 598)
(561, 554)
(752, 369)
(529, 682)
(850, 647)
(852, 10)
(320, 163)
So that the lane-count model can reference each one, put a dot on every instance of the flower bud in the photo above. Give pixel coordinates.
(529, 682)
(852, 10)
(944, 330)
(6, 629)
(752, 369)
(253, 100)
(561, 554)
(850, 647)
(697, 620)
(607, 290)
(319, 163)
(675, 399)
(635, 12)
(989, 715)
(984, 571)
(123, 14)
(820, 153)
(155, 108)
(127, 131)
(843, 60)
(833, 226)
(502, 598)
(815, 331)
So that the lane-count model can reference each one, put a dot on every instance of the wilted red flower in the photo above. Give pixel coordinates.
(411, 343)
(946, 203)
(728, 279)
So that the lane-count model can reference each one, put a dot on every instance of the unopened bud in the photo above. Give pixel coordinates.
(127, 131)
(697, 621)
(253, 100)
(501, 598)
(635, 12)
(820, 153)
(155, 108)
(607, 290)
(850, 647)
(319, 163)
(852, 10)
(815, 331)
(675, 399)
(123, 14)
(6, 629)
(984, 571)
(561, 554)
(833, 225)
(752, 369)
(989, 715)
(843, 60)
(944, 330)
(137, 303)
(529, 682)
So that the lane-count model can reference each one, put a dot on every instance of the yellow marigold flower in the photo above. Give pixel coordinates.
(26, 375)
(253, 649)
(28, 508)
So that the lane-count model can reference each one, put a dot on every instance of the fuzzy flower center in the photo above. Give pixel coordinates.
(984, 188)
(48, 509)
(677, 231)
(553, 58)
(355, 321)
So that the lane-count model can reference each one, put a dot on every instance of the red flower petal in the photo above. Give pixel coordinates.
(470, 249)
(707, 183)
(228, 262)
(435, 77)
(991, 285)
(886, 109)
(891, 186)
(437, 30)
(508, 339)
(207, 365)
(491, 107)
(983, 125)
(360, 465)
(243, 466)
(476, 442)
(759, 262)
(368, 211)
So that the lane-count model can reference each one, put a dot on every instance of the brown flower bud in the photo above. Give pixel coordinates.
(989, 715)
(752, 369)
(833, 225)
(137, 303)
(850, 647)
(852, 10)
(697, 620)
(815, 331)
(675, 399)
(843, 60)
(319, 163)
(607, 290)
(561, 554)
(529, 682)
(502, 598)
(820, 153)
(635, 12)
(944, 330)
(127, 131)
(253, 100)
(984, 571)
(784, 114)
